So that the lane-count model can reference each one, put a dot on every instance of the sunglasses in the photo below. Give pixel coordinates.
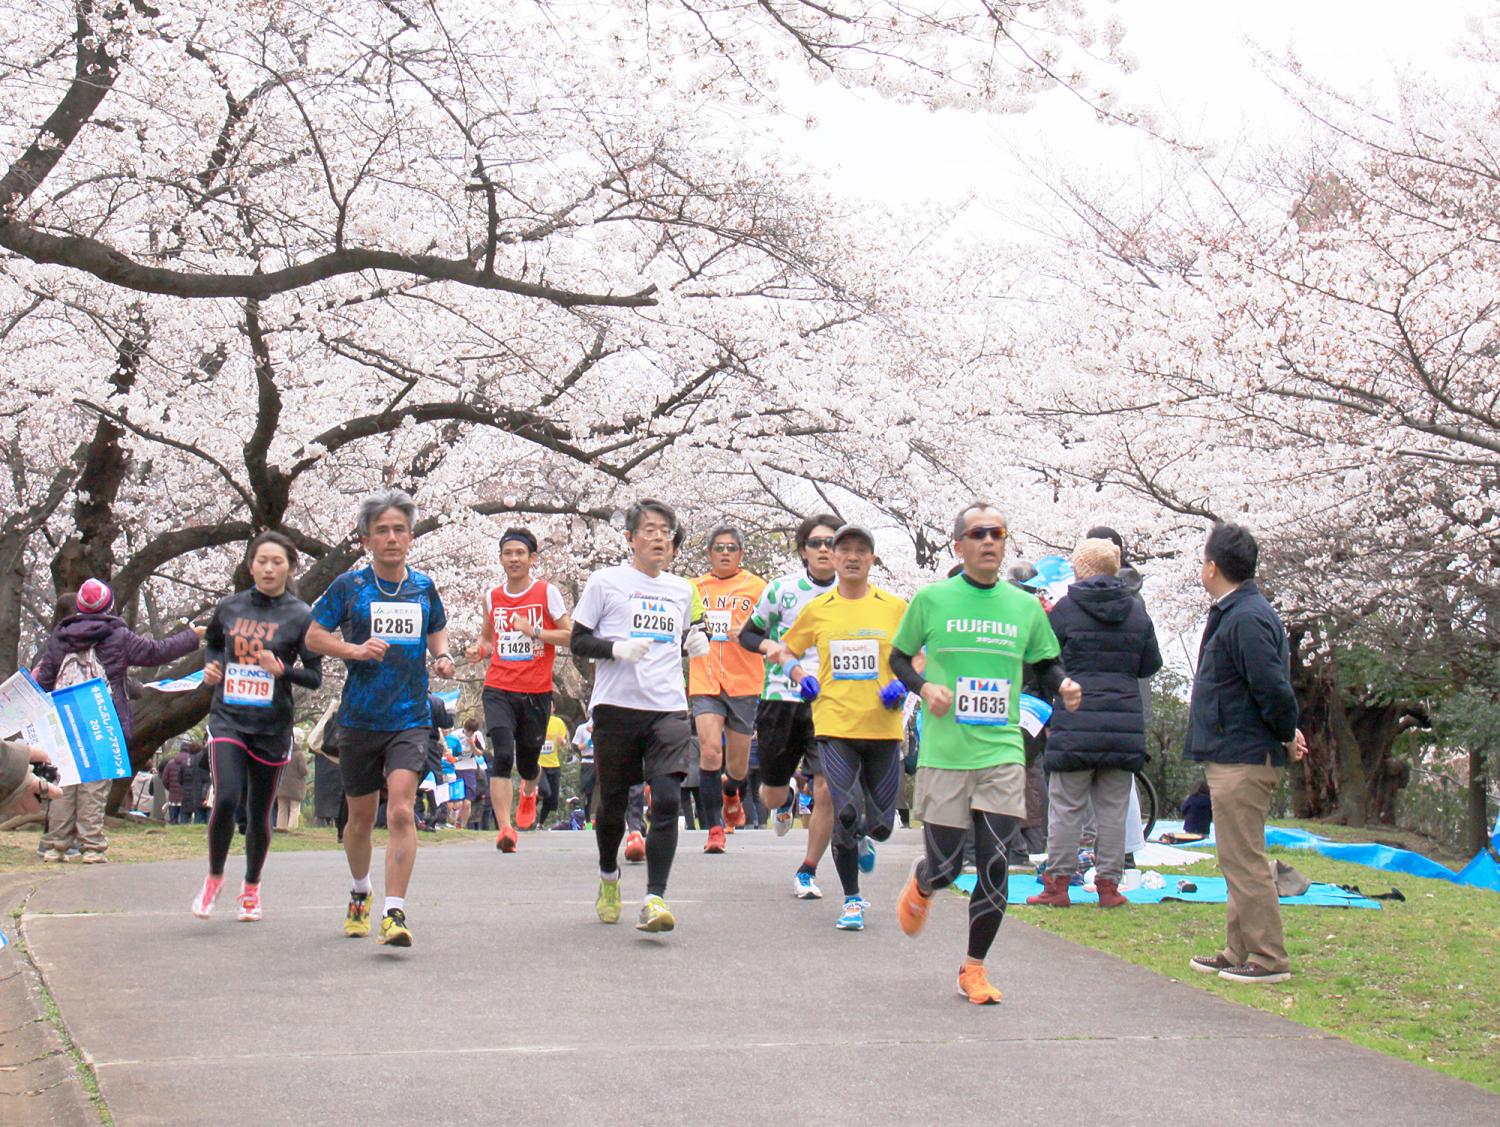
(986, 532)
(820, 542)
(725, 548)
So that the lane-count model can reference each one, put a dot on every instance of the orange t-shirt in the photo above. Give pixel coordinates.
(728, 668)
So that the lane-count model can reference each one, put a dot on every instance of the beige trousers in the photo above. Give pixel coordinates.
(1242, 798)
(77, 818)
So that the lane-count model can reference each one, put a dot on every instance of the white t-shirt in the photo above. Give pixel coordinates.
(621, 602)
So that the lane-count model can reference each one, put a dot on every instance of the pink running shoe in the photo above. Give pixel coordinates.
(249, 903)
(203, 903)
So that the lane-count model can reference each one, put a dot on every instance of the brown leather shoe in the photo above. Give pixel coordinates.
(1054, 894)
(1109, 893)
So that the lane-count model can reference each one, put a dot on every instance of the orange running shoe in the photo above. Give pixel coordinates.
(715, 843)
(912, 906)
(734, 813)
(526, 809)
(635, 847)
(974, 985)
(505, 840)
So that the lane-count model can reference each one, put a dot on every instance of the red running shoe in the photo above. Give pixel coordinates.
(715, 843)
(505, 840)
(526, 809)
(635, 847)
(734, 813)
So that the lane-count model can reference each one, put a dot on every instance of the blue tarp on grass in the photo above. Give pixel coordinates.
(1210, 890)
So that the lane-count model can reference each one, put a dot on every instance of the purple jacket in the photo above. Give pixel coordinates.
(117, 647)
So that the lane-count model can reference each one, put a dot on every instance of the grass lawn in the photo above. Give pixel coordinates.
(1416, 980)
(145, 841)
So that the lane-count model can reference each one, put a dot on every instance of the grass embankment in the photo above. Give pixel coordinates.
(132, 841)
(1415, 980)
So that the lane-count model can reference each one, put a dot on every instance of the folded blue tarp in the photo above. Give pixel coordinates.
(1210, 890)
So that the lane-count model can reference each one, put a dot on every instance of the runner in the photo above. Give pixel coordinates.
(524, 623)
(783, 720)
(551, 765)
(252, 647)
(856, 708)
(978, 633)
(633, 619)
(388, 614)
(724, 686)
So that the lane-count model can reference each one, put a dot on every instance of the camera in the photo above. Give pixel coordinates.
(46, 771)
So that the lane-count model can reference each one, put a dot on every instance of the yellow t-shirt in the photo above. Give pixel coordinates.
(557, 736)
(853, 637)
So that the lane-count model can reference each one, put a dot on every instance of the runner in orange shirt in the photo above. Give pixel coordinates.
(724, 686)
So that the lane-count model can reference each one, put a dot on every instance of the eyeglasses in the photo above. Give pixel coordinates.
(986, 532)
(653, 533)
(820, 542)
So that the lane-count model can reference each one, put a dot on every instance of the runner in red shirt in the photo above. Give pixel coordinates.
(525, 621)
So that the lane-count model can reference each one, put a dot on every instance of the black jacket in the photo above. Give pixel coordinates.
(1108, 644)
(1243, 707)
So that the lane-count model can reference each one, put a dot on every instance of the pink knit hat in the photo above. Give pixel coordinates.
(95, 597)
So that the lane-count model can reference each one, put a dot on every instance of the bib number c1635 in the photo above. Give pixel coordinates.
(982, 700)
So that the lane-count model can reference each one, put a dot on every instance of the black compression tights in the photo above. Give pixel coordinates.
(239, 776)
(945, 860)
(661, 838)
(864, 783)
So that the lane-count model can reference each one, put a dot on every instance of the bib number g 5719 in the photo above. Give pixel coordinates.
(982, 700)
(854, 659)
(400, 624)
(248, 686)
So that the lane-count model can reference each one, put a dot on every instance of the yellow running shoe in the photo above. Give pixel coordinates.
(393, 929)
(974, 985)
(655, 916)
(357, 918)
(607, 906)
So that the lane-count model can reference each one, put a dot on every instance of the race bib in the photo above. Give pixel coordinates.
(514, 646)
(548, 748)
(718, 623)
(400, 624)
(856, 659)
(654, 619)
(248, 685)
(982, 700)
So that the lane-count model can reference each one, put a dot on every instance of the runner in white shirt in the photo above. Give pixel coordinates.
(634, 619)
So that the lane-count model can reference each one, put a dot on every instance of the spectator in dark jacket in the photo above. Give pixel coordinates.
(177, 772)
(1242, 724)
(1198, 811)
(95, 637)
(1108, 644)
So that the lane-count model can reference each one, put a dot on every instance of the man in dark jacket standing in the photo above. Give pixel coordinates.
(1242, 725)
(1108, 645)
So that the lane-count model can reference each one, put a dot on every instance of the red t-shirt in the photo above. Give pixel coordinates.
(519, 664)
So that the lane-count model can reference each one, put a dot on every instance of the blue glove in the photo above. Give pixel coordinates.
(893, 694)
(810, 688)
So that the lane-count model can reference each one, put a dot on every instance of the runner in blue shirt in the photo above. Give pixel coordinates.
(390, 618)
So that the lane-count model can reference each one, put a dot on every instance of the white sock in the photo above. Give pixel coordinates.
(363, 885)
(396, 902)
(646, 899)
(613, 877)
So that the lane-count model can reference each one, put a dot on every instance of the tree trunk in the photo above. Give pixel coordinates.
(12, 582)
(1478, 820)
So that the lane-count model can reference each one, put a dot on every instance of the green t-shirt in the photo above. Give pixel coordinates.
(976, 640)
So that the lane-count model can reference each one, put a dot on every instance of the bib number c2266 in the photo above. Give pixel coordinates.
(248, 686)
(400, 624)
(983, 701)
(653, 618)
(854, 659)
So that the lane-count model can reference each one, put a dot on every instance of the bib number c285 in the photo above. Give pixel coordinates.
(400, 624)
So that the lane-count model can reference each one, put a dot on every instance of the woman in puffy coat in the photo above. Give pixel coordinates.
(1108, 644)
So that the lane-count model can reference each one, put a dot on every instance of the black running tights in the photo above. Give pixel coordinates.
(945, 860)
(240, 777)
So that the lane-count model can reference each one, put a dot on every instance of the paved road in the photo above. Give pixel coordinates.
(516, 1006)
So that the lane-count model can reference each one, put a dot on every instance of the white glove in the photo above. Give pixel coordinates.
(632, 650)
(696, 643)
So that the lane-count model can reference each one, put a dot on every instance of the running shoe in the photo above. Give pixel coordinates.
(912, 905)
(203, 903)
(357, 918)
(715, 842)
(393, 929)
(526, 810)
(655, 916)
(866, 855)
(784, 817)
(505, 840)
(974, 985)
(250, 904)
(852, 918)
(734, 812)
(607, 905)
(805, 888)
(635, 847)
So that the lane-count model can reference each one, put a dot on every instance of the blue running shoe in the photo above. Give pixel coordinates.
(805, 888)
(866, 855)
(853, 916)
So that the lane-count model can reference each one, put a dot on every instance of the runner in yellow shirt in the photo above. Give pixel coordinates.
(724, 685)
(550, 785)
(856, 707)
